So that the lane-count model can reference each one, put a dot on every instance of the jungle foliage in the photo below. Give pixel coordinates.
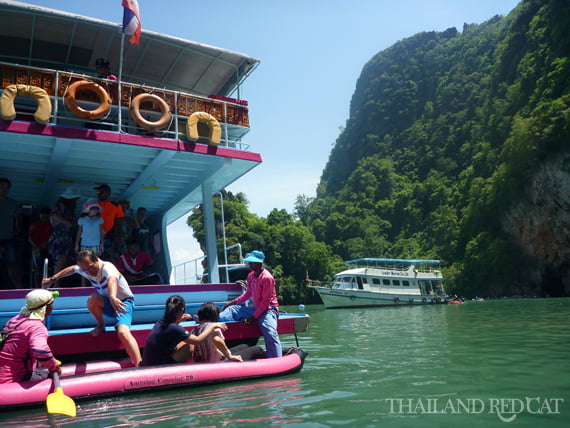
(445, 130)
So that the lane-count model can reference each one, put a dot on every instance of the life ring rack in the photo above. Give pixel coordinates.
(43, 112)
(201, 116)
(165, 115)
(87, 85)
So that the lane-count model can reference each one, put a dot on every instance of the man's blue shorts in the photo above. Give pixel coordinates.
(125, 318)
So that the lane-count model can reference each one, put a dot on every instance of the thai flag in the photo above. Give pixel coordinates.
(132, 21)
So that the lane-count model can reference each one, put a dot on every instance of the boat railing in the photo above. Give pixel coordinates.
(231, 114)
(191, 271)
(398, 266)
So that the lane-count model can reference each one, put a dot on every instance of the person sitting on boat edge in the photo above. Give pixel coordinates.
(169, 342)
(114, 298)
(26, 344)
(215, 348)
(135, 265)
(261, 291)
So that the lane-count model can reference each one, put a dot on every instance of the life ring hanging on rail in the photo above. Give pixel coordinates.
(86, 85)
(201, 116)
(134, 110)
(43, 112)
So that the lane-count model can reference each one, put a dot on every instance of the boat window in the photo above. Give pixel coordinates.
(376, 281)
(385, 282)
(406, 283)
(364, 280)
(396, 282)
(359, 281)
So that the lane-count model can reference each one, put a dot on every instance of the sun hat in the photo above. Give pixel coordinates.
(91, 203)
(70, 193)
(255, 257)
(36, 303)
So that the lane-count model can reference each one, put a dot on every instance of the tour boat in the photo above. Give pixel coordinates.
(70, 322)
(383, 282)
(168, 136)
(88, 381)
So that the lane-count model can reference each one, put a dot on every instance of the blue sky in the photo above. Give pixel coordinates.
(311, 52)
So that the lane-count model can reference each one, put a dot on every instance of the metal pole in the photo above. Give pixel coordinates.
(224, 237)
(119, 88)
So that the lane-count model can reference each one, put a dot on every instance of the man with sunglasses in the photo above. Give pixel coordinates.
(114, 298)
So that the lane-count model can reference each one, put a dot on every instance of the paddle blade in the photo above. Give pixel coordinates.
(59, 403)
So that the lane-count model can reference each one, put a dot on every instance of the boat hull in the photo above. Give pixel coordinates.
(74, 344)
(95, 380)
(70, 322)
(339, 298)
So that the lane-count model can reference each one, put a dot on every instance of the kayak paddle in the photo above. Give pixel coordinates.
(59, 403)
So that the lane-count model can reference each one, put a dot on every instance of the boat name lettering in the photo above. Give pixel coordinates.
(141, 382)
(156, 381)
(391, 273)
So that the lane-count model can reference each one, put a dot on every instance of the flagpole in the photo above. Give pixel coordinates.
(121, 80)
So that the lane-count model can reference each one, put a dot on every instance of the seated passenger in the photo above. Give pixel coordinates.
(26, 344)
(135, 264)
(215, 348)
(170, 343)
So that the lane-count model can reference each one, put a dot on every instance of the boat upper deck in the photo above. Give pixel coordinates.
(161, 169)
(418, 265)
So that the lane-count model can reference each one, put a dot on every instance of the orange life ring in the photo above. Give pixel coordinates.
(134, 110)
(43, 112)
(104, 99)
(201, 116)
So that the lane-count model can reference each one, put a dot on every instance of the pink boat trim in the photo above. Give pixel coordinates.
(33, 128)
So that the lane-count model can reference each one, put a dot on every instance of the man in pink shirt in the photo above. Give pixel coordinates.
(265, 310)
(26, 344)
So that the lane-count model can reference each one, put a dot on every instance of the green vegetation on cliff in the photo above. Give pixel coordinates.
(446, 132)
(455, 148)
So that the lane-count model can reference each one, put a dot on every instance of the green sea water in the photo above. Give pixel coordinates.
(501, 363)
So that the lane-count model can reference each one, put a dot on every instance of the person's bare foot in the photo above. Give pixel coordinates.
(97, 330)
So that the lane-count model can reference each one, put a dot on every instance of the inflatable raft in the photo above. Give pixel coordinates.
(86, 381)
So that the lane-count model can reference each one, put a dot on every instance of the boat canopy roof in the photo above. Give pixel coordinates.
(41, 37)
(372, 261)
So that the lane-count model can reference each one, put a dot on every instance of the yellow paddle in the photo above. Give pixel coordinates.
(59, 403)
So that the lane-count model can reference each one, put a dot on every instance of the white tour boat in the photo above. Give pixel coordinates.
(383, 282)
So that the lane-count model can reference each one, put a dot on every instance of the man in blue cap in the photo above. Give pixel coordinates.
(265, 310)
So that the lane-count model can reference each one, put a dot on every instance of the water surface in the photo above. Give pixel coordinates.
(491, 363)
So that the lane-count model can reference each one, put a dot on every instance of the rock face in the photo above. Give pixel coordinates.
(541, 225)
